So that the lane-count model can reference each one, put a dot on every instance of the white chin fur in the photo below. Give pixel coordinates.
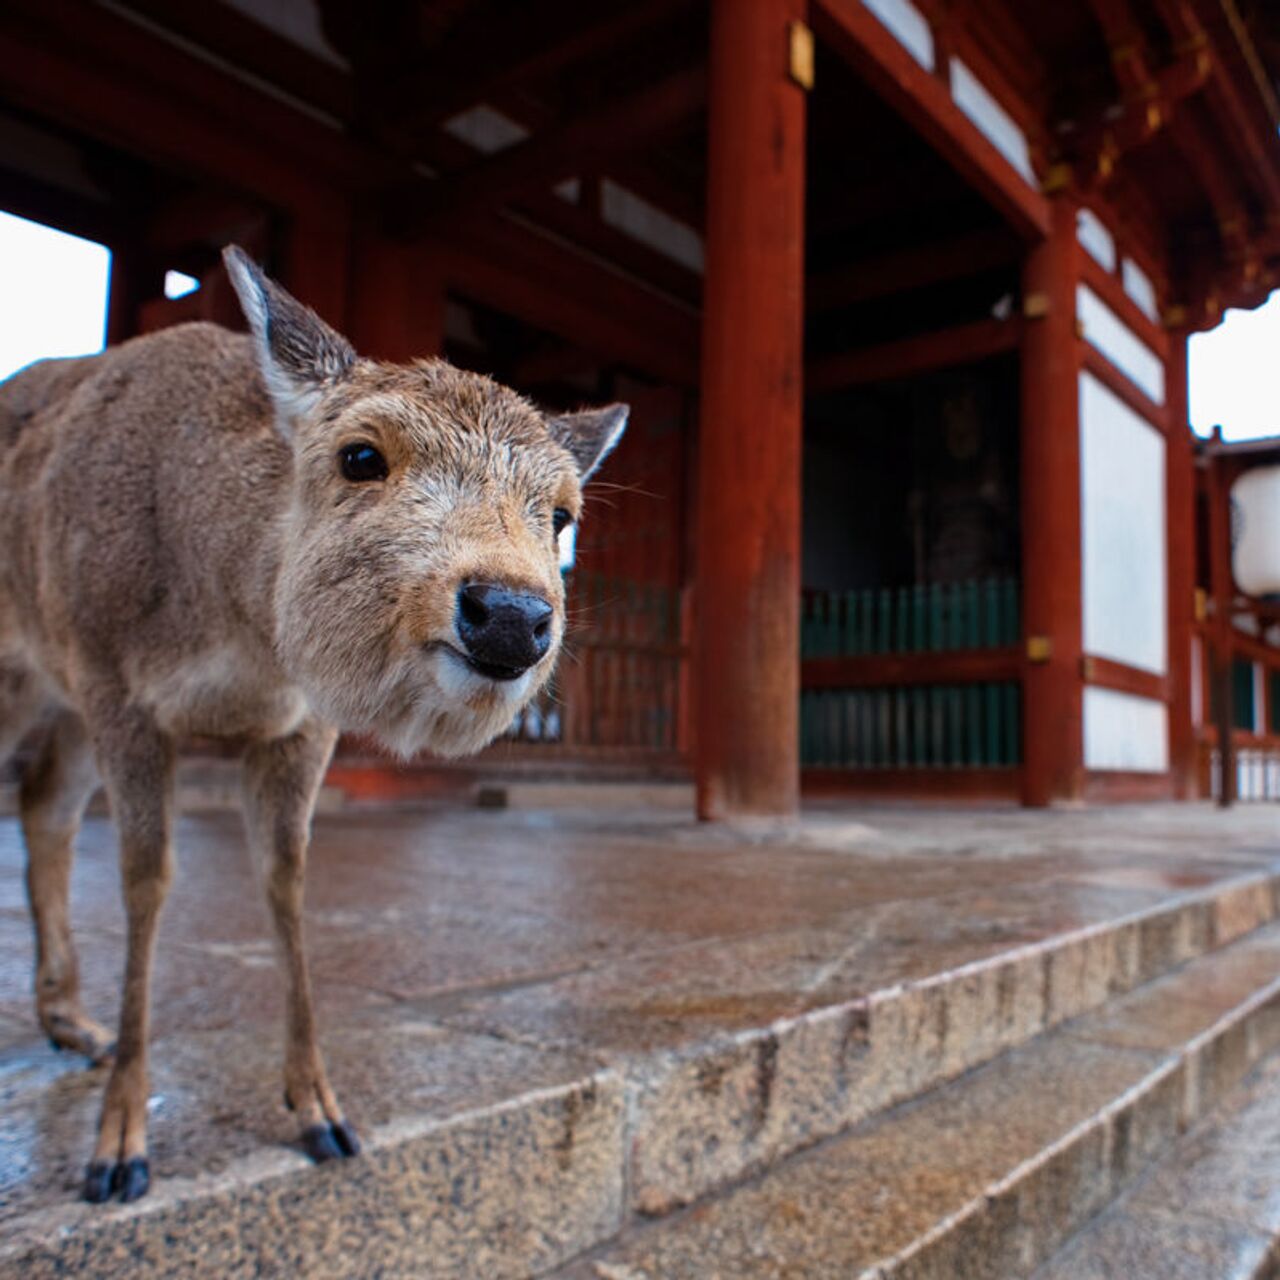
(464, 711)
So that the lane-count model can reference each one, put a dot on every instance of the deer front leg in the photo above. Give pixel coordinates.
(282, 779)
(136, 760)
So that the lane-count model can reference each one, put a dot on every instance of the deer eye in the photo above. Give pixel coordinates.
(560, 520)
(361, 462)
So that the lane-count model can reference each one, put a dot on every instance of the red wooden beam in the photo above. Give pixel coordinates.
(86, 68)
(1120, 385)
(964, 344)
(854, 32)
(1110, 289)
(531, 42)
(556, 153)
(914, 268)
(250, 46)
(747, 646)
(1180, 526)
(940, 785)
(1123, 678)
(873, 671)
(507, 265)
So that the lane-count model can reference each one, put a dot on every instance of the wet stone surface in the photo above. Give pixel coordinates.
(758, 990)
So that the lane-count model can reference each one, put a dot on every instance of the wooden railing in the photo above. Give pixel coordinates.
(617, 687)
(1255, 716)
(916, 678)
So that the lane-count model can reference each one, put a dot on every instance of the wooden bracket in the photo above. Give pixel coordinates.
(1035, 306)
(1039, 648)
(800, 54)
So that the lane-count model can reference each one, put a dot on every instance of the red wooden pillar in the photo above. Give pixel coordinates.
(1180, 521)
(1053, 738)
(397, 299)
(317, 259)
(1222, 589)
(747, 643)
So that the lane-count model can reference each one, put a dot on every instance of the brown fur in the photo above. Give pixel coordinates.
(187, 557)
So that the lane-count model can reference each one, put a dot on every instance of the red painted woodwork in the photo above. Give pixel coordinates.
(914, 268)
(941, 785)
(1222, 591)
(508, 266)
(964, 344)
(1108, 674)
(1109, 288)
(1125, 389)
(1053, 740)
(960, 666)
(858, 36)
(1180, 523)
(558, 152)
(1120, 787)
(397, 304)
(747, 656)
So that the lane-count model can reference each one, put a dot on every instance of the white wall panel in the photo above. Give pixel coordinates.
(1105, 330)
(1137, 284)
(909, 26)
(1001, 130)
(1092, 233)
(1122, 528)
(1125, 732)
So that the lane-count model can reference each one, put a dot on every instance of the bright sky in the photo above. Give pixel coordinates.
(53, 291)
(1235, 374)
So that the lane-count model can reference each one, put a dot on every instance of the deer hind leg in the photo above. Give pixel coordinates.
(281, 780)
(137, 764)
(56, 786)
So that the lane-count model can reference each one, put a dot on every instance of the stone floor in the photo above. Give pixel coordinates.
(462, 956)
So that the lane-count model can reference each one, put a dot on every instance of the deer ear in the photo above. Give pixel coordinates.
(590, 435)
(298, 353)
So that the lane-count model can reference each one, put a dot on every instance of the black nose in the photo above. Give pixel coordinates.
(505, 632)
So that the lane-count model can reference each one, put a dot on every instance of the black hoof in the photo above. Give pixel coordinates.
(345, 1136)
(132, 1179)
(98, 1182)
(330, 1142)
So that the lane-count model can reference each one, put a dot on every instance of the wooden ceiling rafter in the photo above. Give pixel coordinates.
(247, 45)
(483, 57)
(556, 153)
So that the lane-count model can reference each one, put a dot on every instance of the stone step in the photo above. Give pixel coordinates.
(733, 1062)
(1209, 1209)
(984, 1177)
(509, 1131)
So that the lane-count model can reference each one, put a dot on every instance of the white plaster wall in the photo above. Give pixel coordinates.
(1001, 130)
(1105, 330)
(1137, 284)
(1122, 524)
(1125, 732)
(1093, 235)
(909, 27)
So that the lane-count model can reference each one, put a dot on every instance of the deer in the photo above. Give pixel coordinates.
(266, 538)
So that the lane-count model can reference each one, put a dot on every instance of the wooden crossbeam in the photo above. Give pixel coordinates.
(532, 42)
(914, 268)
(854, 32)
(94, 71)
(881, 670)
(555, 153)
(507, 265)
(923, 353)
(241, 42)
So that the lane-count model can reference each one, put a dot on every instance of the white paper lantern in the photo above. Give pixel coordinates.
(1255, 531)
